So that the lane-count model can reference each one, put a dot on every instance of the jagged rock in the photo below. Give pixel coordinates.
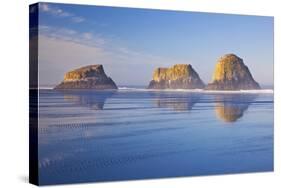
(89, 77)
(232, 74)
(180, 76)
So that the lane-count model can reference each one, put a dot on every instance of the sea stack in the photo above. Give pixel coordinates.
(179, 76)
(232, 74)
(88, 77)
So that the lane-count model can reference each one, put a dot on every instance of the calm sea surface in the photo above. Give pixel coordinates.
(136, 134)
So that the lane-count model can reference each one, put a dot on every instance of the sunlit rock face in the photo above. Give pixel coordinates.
(89, 77)
(232, 74)
(179, 76)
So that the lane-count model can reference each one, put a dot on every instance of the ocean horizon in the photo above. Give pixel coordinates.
(264, 88)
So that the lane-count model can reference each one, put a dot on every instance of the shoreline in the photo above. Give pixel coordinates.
(131, 89)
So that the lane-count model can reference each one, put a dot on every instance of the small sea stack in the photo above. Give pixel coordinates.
(88, 77)
(232, 74)
(179, 76)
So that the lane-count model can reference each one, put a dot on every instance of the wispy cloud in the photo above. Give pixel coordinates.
(55, 11)
(63, 49)
(83, 38)
(78, 19)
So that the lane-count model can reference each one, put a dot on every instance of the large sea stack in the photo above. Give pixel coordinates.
(89, 77)
(232, 74)
(179, 76)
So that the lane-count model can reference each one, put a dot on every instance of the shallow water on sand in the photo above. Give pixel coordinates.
(136, 134)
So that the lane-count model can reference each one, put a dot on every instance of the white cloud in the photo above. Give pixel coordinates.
(84, 38)
(53, 10)
(78, 19)
(50, 9)
(88, 35)
(44, 7)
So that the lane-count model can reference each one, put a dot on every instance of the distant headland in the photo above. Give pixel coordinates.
(230, 74)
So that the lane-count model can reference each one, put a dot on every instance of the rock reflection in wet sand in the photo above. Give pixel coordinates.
(231, 107)
(181, 102)
(94, 100)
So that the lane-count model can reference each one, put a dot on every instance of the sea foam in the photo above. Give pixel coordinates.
(262, 91)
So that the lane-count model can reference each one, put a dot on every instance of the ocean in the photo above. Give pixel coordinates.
(133, 133)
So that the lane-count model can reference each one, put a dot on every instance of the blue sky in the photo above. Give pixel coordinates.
(131, 43)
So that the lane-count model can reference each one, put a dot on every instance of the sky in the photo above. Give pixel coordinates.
(131, 43)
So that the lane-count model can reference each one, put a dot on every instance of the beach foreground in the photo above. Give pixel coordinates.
(137, 134)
